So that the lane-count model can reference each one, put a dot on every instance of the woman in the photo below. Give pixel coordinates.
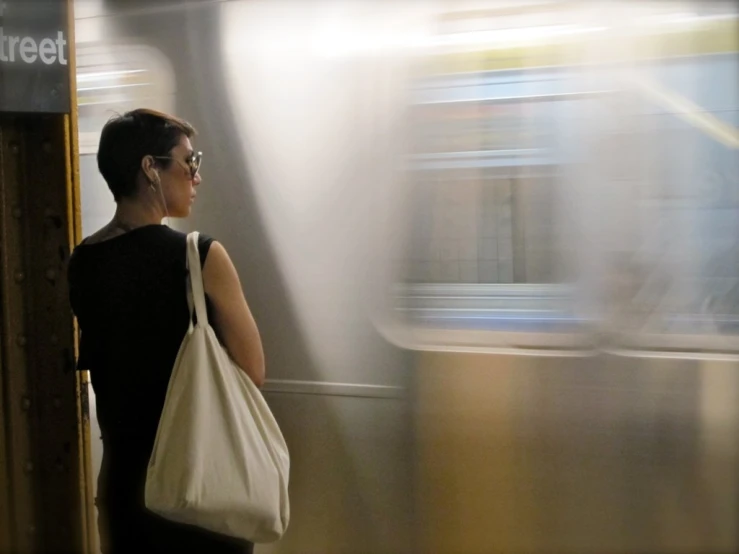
(127, 289)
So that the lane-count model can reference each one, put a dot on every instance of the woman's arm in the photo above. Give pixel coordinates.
(233, 319)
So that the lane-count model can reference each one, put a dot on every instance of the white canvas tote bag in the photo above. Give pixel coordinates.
(219, 460)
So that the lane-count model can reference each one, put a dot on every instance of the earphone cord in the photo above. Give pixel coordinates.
(164, 202)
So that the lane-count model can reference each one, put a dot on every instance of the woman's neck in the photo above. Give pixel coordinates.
(130, 215)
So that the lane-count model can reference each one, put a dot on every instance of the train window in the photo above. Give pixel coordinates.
(485, 194)
(677, 285)
(491, 258)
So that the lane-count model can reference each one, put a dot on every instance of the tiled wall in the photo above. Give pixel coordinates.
(463, 232)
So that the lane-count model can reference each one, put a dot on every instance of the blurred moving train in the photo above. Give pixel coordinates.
(492, 248)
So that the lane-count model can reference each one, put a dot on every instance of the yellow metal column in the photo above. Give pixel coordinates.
(74, 228)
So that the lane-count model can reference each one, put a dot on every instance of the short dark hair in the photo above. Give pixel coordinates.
(126, 139)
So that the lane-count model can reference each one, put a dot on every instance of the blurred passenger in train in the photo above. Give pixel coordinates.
(128, 291)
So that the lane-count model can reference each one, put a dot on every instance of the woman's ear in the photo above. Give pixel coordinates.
(148, 166)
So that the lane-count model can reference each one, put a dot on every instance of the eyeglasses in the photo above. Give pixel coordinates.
(193, 162)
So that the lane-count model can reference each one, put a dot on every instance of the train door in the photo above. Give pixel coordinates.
(675, 308)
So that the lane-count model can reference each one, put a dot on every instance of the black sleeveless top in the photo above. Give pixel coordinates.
(129, 296)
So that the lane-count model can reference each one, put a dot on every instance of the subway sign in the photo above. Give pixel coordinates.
(34, 56)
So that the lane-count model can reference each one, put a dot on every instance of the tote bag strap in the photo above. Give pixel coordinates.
(195, 290)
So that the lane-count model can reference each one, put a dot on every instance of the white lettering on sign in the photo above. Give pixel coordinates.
(27, 50)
